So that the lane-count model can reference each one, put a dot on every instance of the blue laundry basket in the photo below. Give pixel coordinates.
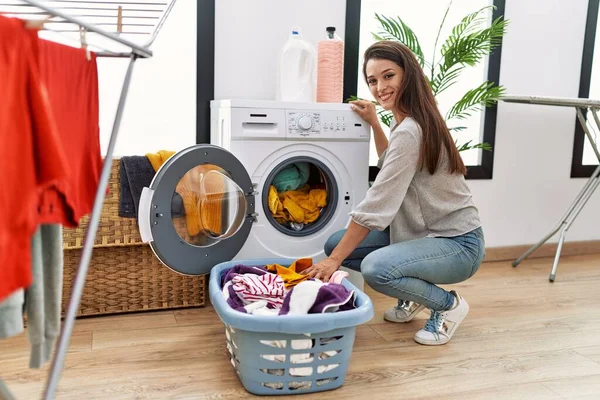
(288, 354)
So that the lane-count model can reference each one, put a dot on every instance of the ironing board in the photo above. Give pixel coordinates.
(581, 105)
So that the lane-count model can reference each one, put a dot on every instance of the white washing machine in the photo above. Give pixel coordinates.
(211, 203)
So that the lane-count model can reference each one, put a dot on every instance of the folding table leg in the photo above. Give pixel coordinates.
(575, 208)
(564, 230)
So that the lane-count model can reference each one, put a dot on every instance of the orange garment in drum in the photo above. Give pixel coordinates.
(32, 159)
(72, 82)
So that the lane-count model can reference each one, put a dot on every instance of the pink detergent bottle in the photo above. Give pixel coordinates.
(330, 68)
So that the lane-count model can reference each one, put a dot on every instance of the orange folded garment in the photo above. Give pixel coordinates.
(211, 210)
(291, 275)
(207, 216)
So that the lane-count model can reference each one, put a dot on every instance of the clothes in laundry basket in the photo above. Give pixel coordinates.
(251, 288)
(292, 177)
(314, 297)
(242, 269)
(300, 206)
(256, 290)
(292, 274)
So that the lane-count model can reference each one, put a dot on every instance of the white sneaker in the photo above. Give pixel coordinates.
(440, 327)
(403, 312)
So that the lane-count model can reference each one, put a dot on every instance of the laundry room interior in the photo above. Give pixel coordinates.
(231, 199)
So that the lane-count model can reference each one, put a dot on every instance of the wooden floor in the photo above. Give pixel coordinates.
(525, 338)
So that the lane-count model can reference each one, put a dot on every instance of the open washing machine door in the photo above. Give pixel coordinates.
(198, 210)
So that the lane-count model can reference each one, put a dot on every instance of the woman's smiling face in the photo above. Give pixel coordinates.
(384, 78)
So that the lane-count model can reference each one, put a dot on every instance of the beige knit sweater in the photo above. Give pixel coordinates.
(414, 203)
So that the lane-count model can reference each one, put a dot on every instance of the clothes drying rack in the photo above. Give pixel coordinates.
(87, 22)
(582, 106)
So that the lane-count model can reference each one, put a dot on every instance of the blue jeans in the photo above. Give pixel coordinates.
(409, 270)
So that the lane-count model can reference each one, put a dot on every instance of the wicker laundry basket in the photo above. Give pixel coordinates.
(124, 275)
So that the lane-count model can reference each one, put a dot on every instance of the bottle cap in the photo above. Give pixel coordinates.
(330, 29)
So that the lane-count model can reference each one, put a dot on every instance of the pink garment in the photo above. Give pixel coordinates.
(251, 288)
(338, 276)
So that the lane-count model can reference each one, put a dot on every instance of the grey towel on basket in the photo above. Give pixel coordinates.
(135, 173)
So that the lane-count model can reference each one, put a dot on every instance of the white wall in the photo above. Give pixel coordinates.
(249, 35)
(160, 112)
(541, 55)
(531, 188)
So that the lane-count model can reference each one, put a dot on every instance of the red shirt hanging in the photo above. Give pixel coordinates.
(32, 159)
(72, 82)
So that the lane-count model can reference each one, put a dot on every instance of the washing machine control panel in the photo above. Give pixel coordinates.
(325, 124)
(304, 123)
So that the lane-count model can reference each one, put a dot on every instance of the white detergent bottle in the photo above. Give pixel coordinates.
(296, 70)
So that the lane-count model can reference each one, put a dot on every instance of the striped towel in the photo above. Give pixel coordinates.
(251, 288)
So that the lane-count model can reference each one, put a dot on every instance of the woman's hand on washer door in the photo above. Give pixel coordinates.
(366, 110)
(323, 269)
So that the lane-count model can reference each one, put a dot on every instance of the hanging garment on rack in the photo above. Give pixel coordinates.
(72, 83)
(135, 173)
(11, 315)
(32, 161)
(43, 297)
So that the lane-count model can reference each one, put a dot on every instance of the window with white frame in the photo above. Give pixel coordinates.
(584, 159)
(589, 157)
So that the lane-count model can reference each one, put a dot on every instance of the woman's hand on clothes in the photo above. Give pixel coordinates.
(323, 269)
(366, 110)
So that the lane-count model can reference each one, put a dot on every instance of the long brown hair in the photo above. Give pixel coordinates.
(416, 100)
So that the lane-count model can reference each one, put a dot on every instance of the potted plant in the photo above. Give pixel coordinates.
(468, 43)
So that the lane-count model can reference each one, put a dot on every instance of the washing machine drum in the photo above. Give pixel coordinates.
(198, 210)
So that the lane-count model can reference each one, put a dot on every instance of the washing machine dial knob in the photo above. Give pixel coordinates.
(305, 122)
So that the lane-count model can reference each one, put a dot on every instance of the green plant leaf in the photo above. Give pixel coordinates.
(396, 29)
(385, 116)
(470, 49)
(465, 27)
(437, 37)
(485, 94)
(466, 46)
(467, 146)
(448, 79)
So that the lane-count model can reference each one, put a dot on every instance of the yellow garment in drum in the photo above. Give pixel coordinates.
(210, 212)
(302, 206)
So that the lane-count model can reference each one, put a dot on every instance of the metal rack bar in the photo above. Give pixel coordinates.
(581, 106)
(137, 51)
(5, 394)
(160, 23)
(86, 255)
(141, 51)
